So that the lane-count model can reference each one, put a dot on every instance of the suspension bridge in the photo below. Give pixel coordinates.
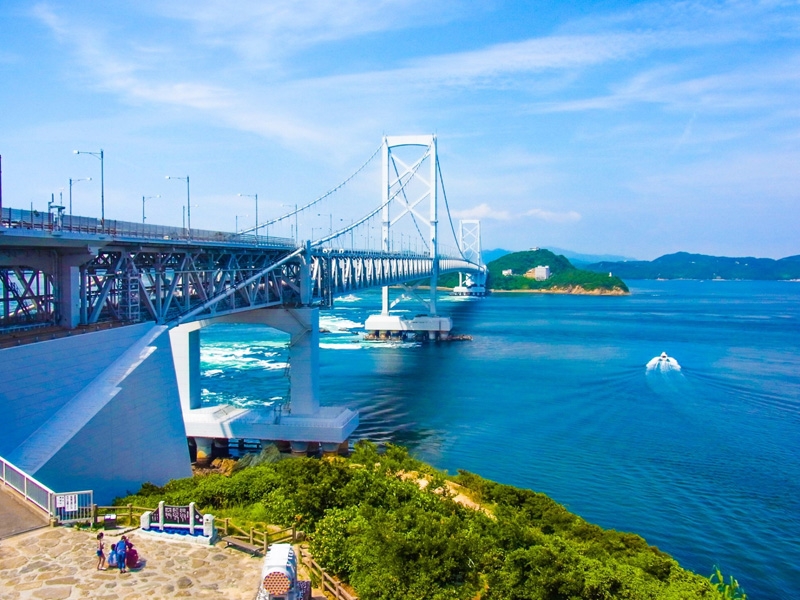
(117, 309)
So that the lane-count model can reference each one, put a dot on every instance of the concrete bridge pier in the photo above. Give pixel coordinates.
(205, 449)
(303, 423)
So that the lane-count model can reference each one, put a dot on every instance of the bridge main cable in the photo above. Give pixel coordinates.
(313, 202)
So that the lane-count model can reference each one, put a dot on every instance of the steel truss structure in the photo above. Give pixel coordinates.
(162, 285)
(131, 282)
(27, 296)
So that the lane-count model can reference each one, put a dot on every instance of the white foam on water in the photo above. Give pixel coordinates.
(338, 324)
(348, 298)
(382, 344)
(663, 363)
(344, 346)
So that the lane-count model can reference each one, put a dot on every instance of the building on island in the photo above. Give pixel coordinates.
(539, 273)
(507, 272)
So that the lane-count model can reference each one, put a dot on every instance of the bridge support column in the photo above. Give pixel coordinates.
(185, 341)
(299, 448)
(69, 287)
(69, 301)
(303, 326)
(204, 449)
(330, 448)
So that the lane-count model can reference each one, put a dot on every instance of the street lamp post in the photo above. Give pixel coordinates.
(236, 231)
(143, 200)
(71, 181)
(296, 232)
(330, 221)
(102, 184)
(257, 225)
(188, 204)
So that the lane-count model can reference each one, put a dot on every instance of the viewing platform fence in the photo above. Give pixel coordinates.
(64, 507)
(256, 537)
(321, 579)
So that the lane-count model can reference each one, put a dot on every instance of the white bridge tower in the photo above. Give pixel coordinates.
(469, 242)
(410, 187)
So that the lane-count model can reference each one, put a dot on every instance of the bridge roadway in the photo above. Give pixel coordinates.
(71, 397)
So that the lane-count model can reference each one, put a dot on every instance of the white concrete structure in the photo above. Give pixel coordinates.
(304, 422)
(388, 326)
(97, 411)
(541, 273)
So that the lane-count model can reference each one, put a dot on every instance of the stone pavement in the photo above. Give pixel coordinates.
(15, 516)
(61, 563)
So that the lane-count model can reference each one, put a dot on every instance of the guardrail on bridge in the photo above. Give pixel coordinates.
(15, 218)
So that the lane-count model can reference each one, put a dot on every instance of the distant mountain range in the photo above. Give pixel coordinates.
(683, 265)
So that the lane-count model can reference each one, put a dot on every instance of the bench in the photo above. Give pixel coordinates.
(242, 545)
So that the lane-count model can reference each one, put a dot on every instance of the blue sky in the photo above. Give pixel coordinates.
(632, 128)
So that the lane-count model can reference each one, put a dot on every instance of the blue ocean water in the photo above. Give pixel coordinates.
(553, 394)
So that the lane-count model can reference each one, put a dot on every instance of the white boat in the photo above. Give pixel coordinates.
(663, 362)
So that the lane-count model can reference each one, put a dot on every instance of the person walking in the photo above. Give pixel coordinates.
(101, 556)
(122, 548)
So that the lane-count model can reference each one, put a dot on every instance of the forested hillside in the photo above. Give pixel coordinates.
(564, 276)
(390, 525)
(683, 265)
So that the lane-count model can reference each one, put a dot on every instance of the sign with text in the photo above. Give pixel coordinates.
(177, 515)
(69, 502)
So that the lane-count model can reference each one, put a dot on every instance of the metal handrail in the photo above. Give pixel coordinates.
(31, 489)
(38, 494)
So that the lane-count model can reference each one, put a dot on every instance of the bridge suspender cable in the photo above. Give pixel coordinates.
(320, 199)
(374, 212)
(449, 217)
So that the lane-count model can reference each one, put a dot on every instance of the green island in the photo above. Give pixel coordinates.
(564, 277)
(393, 527)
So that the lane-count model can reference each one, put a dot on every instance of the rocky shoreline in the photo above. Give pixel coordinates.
(574, 290)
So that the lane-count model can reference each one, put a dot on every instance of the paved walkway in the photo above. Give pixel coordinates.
(61, 563)
(15, 516)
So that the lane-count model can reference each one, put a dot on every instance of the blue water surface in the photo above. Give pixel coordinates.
(553, 394)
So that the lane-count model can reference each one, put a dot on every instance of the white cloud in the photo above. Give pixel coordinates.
(268, 31)
(482, 211)
(554, 217)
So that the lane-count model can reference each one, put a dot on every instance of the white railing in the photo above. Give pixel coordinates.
(66, 507)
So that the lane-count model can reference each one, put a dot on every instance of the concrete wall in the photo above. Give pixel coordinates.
(94, 411)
